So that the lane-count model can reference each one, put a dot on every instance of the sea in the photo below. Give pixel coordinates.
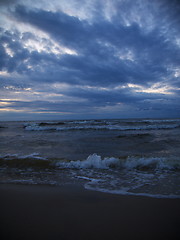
(117, 156)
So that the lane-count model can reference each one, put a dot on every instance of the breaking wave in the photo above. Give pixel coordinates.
(131, 175)
(129, 163)
(93, 161)
(53, 127)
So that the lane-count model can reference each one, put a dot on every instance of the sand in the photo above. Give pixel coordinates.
(71, 212)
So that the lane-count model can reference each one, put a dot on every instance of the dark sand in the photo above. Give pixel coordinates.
(70, 212)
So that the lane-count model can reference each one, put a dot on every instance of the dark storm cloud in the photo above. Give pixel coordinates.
(69, 30)
(97, 45)
(107, 54)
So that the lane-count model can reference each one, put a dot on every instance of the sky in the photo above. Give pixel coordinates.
(85, 59)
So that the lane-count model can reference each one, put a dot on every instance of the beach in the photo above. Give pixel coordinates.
(72, 212)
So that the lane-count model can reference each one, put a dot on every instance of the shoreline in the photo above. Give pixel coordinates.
(72, 212)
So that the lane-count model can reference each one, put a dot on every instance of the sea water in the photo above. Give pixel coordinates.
(129, 156)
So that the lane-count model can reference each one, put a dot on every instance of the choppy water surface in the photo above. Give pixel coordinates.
(136, 157)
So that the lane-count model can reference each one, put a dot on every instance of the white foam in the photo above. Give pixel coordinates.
(125, 191)
(92, 180)
(160, 120)
(95, 161)
(36, 127)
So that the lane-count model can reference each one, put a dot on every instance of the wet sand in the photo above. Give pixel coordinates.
(71, 212)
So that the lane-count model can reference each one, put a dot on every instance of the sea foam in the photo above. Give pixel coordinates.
(131, 162)
(37, 127)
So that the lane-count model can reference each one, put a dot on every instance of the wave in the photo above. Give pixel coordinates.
(29, 156)
(93, 161)
(45, 127)
(129, 163)
(125, 191)
(161, 120)
(25, 161)
(131, 175)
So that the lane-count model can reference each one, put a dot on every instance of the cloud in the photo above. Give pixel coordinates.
(105, 39)
(7, 2)
(120, 54)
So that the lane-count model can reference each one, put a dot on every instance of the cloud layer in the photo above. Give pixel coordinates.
(88, 59)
